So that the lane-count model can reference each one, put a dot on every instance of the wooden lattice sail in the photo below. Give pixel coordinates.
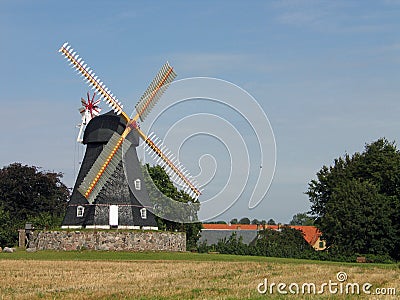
(113, 152)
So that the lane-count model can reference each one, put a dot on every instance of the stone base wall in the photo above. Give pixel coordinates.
(108, 240)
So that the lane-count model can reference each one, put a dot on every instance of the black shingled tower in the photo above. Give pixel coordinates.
(132, 213)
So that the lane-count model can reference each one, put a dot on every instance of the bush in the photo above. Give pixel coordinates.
(286, 243)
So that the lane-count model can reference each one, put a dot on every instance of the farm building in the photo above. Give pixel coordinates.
(212, 233)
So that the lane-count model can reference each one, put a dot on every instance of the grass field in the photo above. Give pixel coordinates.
(116, 275)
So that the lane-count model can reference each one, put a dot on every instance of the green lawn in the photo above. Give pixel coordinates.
(180, 256)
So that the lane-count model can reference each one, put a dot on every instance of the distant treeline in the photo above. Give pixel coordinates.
(286, 243)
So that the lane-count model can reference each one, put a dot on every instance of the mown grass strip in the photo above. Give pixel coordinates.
(179, 256)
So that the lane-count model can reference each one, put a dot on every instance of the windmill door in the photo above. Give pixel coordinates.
(113, 215)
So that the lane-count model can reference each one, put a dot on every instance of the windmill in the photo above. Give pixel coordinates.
(101, 182)
(88, 111)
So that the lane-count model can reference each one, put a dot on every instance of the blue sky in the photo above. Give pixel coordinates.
(326, 73)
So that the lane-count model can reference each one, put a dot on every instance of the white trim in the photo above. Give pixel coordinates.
(98, 226)
(71, 227)
(128, 227)
(108, 227)
(149, 228)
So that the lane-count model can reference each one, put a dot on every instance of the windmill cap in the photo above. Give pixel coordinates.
(101, 128)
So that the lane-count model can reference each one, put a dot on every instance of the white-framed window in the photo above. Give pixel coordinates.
(143, 213)
(79, 211)
(137, 184)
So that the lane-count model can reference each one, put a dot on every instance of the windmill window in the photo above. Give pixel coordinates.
(137, 184)
(79, 211)
(143, 213)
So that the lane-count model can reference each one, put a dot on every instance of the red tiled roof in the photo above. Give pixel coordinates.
(311, 233)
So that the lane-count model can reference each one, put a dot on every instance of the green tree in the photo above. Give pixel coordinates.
(302, 219)
(215, 222)
(255, 222)
(8, 231)
(232, 245)
(28, 195)
(244, 221)
(287, 242)
(220, 222)
(234, 221)
(271, 222)
(166, 187)
(356, 201)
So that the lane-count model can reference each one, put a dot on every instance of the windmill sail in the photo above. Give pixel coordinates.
(154, 91)
(92, 79)
(113, 152)
(171, 165)
(104, 166)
